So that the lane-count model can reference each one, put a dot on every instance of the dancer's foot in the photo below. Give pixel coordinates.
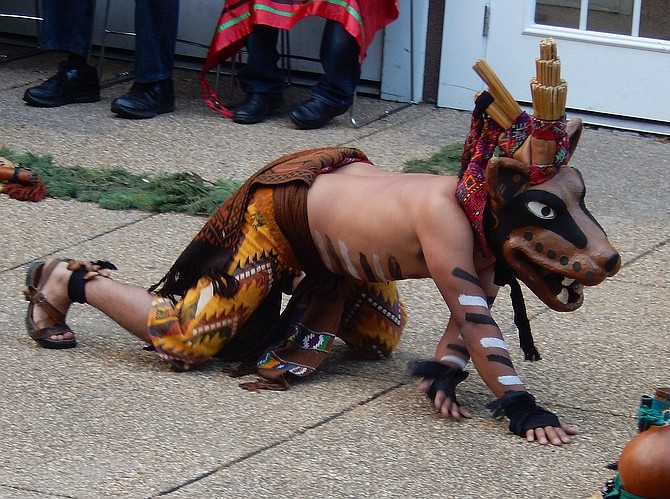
(49, 302)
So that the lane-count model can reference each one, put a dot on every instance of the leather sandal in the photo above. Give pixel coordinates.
(54, 324)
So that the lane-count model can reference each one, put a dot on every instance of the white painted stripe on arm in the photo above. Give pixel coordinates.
(509, 380)
(455, 359)
(472, 301)
(493, 343)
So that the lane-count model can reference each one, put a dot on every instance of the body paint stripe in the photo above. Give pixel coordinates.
(462, 274)
(509, 380)
(324, 252)
(500, 358)
(376, 263)
(455, 359)
(480, 319)
(367, 270)
(472, 301)
(344, 251)
(394, 268)
(458, 348)
(334, 256)
(493, 343)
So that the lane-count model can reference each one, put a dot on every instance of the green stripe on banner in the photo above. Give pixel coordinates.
(340, 3)
(233, 22)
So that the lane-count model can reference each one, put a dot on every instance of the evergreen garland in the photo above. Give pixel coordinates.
(447, 161)
(118, 189)
(184, 192)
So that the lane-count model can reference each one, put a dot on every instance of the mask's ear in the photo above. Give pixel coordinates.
(574, 130)
(505, 178)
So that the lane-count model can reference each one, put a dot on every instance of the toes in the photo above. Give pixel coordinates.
(62, 337)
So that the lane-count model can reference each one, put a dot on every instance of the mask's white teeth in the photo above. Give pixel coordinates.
(578, 288)
(563, 296)
(567, 281)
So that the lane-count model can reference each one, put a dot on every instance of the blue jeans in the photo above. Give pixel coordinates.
(68, 26)
(339, 59)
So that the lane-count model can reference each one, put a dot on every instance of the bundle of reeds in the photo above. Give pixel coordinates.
(548, 89)
(504, 109)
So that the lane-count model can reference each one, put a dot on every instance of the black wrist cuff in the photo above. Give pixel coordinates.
(444, 378)
(523, 413)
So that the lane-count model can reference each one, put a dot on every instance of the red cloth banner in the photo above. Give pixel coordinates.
(361, 18)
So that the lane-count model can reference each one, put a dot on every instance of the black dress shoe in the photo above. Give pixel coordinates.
(256, 107)
(145, 100)
(72, 84)
(314, 113)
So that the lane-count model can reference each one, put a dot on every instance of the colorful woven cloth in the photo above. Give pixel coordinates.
(231, 276)
(361, 18)
(211, 249)
(486, 139)
(194, 329)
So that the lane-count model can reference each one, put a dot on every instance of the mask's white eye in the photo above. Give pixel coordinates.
(541, 210)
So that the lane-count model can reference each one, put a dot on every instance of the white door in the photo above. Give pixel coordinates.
(615, 54)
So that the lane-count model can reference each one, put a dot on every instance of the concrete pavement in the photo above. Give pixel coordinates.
(108, 419)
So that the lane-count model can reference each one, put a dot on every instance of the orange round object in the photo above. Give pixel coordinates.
(644, 465)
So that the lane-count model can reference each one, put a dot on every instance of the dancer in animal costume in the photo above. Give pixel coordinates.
(347, 231)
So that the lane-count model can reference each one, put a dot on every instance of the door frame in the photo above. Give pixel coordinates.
(503, 32)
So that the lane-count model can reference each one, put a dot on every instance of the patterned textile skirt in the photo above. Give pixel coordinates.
(369, 317)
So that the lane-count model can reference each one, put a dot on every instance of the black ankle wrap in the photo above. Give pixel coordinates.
(444, 378)
(76, 284)
(78, 281)
(523, 413)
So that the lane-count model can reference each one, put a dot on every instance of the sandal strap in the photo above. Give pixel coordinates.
(49, 331)
(36, 297)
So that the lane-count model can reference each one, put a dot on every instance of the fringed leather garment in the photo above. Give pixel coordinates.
(210, 251)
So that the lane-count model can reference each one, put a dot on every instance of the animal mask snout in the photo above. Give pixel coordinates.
(613, 264)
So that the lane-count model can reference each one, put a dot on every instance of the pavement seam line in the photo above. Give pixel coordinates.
(92, 238)
(298, 432)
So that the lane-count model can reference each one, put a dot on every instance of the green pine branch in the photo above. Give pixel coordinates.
(184, 192)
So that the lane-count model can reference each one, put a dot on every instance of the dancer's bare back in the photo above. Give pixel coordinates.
(377, 225)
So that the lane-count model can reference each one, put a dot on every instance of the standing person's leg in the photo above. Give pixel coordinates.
(67, 27)
(334, 92)
(260, 79)
(156, 23)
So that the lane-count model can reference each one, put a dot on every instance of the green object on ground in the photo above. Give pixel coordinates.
(118, 189)
(447, 161)
(183, 192)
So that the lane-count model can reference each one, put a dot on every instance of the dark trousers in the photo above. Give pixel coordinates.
(339, 59)
(68, 26)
